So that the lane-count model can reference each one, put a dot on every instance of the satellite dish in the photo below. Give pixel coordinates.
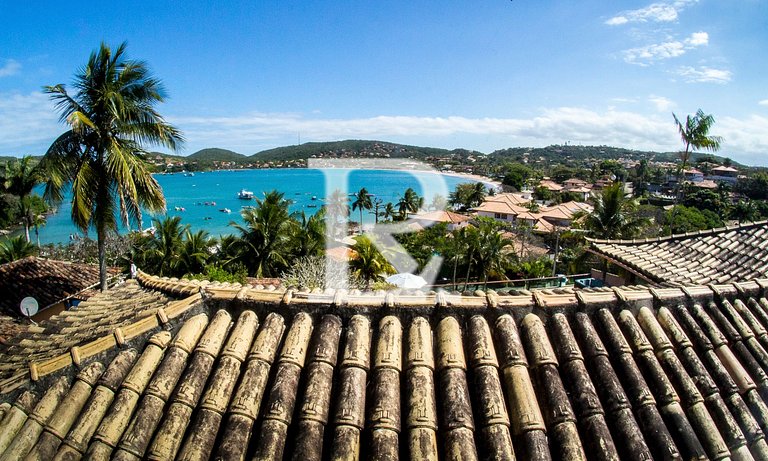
(28, 306)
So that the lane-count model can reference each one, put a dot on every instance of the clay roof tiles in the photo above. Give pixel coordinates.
(717, 255)
(624, 373)
(48, 281)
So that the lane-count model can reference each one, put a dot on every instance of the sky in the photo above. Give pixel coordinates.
(482, 75)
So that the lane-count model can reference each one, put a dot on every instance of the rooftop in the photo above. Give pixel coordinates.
(236, 372)
(721, 255)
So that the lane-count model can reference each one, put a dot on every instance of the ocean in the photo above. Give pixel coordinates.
(186, 195)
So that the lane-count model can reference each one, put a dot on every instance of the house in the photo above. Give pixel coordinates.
(453, 220)
(574, 183)
(724, 174)
(693, 174)
(55, 285)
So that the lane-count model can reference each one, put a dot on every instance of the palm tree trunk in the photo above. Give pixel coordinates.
(101, 239)
(455, 267)
(361, 220)
(469, 266)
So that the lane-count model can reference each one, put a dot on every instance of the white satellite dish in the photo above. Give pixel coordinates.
(28, 306)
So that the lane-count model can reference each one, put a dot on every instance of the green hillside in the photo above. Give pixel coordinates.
(214, 153)
(348, 148)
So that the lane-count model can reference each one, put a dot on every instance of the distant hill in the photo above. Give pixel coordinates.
(221, 155)
(350, 148)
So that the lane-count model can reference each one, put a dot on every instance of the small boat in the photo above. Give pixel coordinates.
(226, 210)
(311, 205)
(314, 197)
(245, 194)
(189, 174)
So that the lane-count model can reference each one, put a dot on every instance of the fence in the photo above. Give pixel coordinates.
(506, 285)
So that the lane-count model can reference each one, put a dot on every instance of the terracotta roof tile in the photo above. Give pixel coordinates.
(717, 255)
(628, 373)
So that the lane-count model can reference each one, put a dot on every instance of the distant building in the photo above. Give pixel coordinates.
(453, 220)
(724, 174)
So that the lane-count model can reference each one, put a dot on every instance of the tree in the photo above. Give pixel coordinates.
(614, 216)
(410, 202)
(368, 263)
(493, 249)
(15, 248)
(683, 219)
(309, 234)
(195, 252)
(389, 211)
(362, 202)
(20, 178)
(164, 248)
(265, 239)
(468, 195)
(517, 175)
(110, 118)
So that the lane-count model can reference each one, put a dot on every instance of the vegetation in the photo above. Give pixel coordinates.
(110, 117)
(467, 195)
(15, 248)
(19, 179)
(614, 216)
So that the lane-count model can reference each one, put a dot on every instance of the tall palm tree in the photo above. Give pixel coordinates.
(389, 211)
(265, 240)
(337, 209)
(362, 202)
(111, 116)
(493, 249)
(20, 178)
(695, 135)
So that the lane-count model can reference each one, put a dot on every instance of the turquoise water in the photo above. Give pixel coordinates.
(299, 185)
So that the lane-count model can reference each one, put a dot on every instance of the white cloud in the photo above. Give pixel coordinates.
(646, 55)
(11, 67)
(27, 123)
(705, 75)
(655, 12)
(662, 104)
(764, 102)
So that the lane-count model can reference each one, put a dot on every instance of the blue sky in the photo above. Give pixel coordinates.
(249, 76)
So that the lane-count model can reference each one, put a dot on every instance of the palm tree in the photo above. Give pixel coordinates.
(265, 240)
(110, 118)
(15, 248)
(695, 135)
(410, 202)
(492, 254)
(368, 263)
(337, 209)
(363, 201)
(195, 252)
(309, 234)
(389, 211)
(614, 216)
(20, 178)
(165, 246)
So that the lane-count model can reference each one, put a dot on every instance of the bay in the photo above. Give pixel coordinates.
(186, 195)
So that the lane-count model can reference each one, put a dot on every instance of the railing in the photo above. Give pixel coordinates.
(506, 285)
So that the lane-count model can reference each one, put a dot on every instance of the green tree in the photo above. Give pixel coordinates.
(165, 246)
(309, 234)
(517, 175)
(265, 239)
(362, 202)
(683, 219)
(195, 252)
(15, 248)
(614, 216)
(410, 202)
(110, 118)
(494, 250)
(20, 178)
(368, 263)
(389, 211)
(467, 195)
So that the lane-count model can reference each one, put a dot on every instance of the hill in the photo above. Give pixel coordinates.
(350, 148)
(214, 153)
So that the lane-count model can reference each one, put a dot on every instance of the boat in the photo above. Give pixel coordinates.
(226, 210)
(245, 194)
(311, 205)
(314, 197)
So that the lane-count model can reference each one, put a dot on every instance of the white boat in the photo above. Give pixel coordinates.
(245, 194)
(226, 210)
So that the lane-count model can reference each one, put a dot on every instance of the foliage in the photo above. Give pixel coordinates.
(85, 250)
(315, 272)
(110, 116)
(614, 216)
(542, 193)
(533, 268)
(362, 202)
(410, 202)
(683, 219)
(467, 195)
(705, 199)
(216, 273)
(19, 179)
(517, 175)
(368, 263)
(754, 187)
(15, 248)
(265, 239)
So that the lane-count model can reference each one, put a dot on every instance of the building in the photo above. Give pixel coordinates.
(55, 285)
(724, 174)
(451, 219)
(188, 370)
